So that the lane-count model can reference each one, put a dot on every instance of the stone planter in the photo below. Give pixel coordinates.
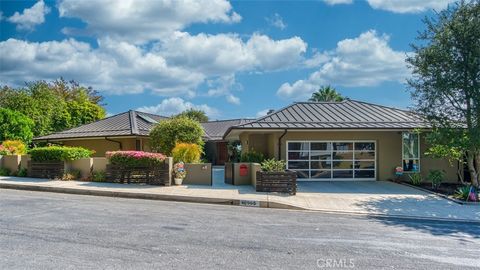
(198, 174)
(283, 182)
(178, 181)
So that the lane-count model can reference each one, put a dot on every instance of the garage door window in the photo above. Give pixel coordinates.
(315, 160)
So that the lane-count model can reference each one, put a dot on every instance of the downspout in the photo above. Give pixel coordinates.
(280, 144)
(119, 143)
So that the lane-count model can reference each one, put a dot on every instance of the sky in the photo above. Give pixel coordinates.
(232, 59)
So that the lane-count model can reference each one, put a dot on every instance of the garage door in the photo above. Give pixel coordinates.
(332, 160)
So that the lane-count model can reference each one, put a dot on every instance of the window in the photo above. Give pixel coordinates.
(320, 160)
(411, 152)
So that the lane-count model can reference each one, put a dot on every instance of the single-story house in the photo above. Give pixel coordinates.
(129, 131)
(348, 140)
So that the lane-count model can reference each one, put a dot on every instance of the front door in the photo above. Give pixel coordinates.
(222, 153)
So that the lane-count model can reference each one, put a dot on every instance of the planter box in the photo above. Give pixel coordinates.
(157, 175)
(198, 174)
(284, 182)
(47, 169)
(11, 162)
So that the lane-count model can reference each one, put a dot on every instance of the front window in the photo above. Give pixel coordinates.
(411, 152)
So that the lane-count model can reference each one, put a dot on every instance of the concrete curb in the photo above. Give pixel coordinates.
(206, 200)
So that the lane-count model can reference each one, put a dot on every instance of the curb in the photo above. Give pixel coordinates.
(206, 200)
(439, 194)
(145, 196)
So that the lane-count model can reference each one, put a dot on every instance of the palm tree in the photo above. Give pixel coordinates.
(327, 93)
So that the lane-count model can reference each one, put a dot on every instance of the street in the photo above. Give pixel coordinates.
(60, 231)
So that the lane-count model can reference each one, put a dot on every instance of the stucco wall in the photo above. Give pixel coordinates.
(388, 143)
(100, 146)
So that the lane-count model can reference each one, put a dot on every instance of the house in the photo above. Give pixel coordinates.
(348, 140)
(129, 131)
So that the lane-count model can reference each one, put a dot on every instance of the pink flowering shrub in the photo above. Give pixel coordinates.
(135, 158)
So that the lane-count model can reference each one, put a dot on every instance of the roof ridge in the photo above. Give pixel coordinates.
(132, 116)
(383, 106)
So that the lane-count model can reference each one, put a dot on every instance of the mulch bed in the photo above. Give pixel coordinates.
(445, 188)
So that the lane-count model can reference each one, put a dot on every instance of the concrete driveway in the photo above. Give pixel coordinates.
(380, 197)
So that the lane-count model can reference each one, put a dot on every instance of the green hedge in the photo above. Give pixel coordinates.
(59, 153)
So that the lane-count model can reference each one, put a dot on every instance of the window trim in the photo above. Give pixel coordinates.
(418, 152)
(353, 151)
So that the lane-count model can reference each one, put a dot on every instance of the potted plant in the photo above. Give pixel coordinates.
(274, 178)
(179, 172)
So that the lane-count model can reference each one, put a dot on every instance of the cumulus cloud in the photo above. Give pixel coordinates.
(143, 20)
(30, 17)
(367, 60)
(116, 67)
(226, 53)
(175, 105)
(276, 21)
(224, 86)
(400, 6)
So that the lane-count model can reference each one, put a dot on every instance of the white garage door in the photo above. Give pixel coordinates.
(332, 160)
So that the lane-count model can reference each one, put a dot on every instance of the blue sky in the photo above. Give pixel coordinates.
(231, 59)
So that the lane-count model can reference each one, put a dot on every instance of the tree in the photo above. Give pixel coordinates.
(445, 85)
(197, 115)
(15, 126)
(166, 134)
(328, 94)
(54, 106)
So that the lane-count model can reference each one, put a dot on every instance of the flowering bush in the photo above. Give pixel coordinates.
(179, 170)
(187, 152)
(13, 148)
(135, 158)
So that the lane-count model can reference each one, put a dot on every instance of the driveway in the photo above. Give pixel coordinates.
(380, 197)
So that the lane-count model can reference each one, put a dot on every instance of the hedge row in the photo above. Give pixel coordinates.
(135, 158)
(59, 153)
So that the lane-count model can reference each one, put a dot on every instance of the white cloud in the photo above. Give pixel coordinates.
(367, 60)
(277, 21)
(316, 60)
(400, 6)
(175, 105)
(116, 67)
(409, 6)
(262, 113)
(336, 2)
(226, 53)
(143, 20)
(224, 86)
(30, 17)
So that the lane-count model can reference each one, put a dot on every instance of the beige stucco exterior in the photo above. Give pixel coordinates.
(388, 148)
(101, 145)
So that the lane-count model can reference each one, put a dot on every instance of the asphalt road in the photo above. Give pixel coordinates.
(59, 231)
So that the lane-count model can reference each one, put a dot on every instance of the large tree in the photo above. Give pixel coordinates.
(15, 126)
(197, 115)
(54, 106)
(328, 94)
(446, 82)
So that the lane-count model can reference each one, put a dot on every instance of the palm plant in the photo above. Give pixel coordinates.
(328, 94)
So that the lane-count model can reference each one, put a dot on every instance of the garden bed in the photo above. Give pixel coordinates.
(446, 190)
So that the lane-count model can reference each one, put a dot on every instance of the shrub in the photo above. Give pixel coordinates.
(71, 175)
(4, 172)
(98, 176)
(13, 147)
(166, 134)
(462, 192)
(273, 165)
(415, 178)
(252, 156)
(22, 172)
(135, 158)
(187, 152)
(59, 153)
(436, 178)
(15, 126)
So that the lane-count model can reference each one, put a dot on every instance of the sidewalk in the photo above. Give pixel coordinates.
(366, 198)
